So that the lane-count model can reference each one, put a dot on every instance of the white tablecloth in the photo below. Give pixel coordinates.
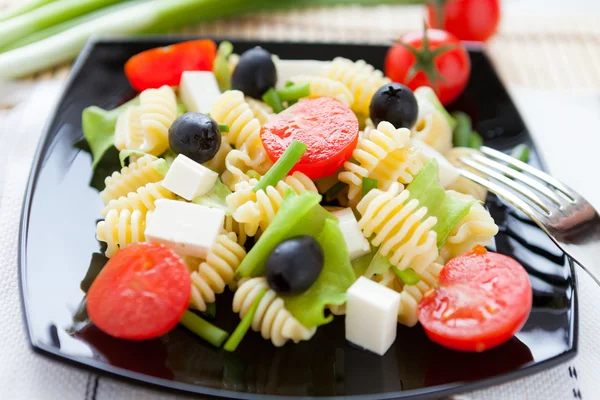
(565, 127)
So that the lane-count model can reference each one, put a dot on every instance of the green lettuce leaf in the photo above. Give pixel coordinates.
(378, 265)
(298, 215)
(125, 154)
(331, 285)
(447, 209)
(426, 93)
(99, 128)
(215, 198)
(221, 65)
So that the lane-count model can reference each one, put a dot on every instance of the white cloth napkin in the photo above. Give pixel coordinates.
(562, 125)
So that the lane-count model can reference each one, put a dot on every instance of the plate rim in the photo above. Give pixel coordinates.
(127, 375)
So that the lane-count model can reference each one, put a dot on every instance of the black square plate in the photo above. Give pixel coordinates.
(58, 241)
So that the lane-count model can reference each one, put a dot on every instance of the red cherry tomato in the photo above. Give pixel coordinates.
(141, 293)
(475, 20)
(164, 65)
(440, 61)
(483, 299)
(325, 125)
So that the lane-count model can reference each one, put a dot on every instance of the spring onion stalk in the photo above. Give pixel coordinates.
(223, 128)
(294, 92)
(240, 331)
(271, 98)
(221, 65)
(204, 329)
(211, 310)
(368, 184)
(47, 16)
(476, 141)
(521, 153)
(283, 166)
(23, 9)
(408, 276)
(462, 132)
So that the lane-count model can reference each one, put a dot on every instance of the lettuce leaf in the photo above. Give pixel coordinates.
(215, 198)
(378, 265)
(99, 128)
(125, 154)
(426, 93)
(447, 209)
(331, 285)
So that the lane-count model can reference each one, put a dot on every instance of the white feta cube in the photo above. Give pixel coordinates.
(287, 69)
(356, 242)
(447, 172)
(198, 90)
(188, 179)
(189, 229)
(371, 315)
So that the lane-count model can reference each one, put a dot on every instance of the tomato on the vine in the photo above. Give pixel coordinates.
(474, 20)
(431, 58)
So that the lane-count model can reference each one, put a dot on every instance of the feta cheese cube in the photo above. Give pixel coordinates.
(189, 229)
(357, 244)
(371, 315)
(188, 179)
(447, 172)
(198, 90)
(287, 69)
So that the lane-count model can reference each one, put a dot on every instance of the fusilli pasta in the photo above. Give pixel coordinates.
(262, 111)
(217, 271)
(325, 87)
(432, 128)
(400, 227)
(217, 163)
(237, 166)
(361, 78)
(142, 199)
(231, 225)
(462, 184)
(146, 127)
(411, 295)
(257, 209)
(386, 155)
(271, 319)
(477, 227)
(121, 228)
(146, 170)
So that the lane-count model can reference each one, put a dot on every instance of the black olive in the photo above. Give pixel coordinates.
(196, 136)
(294, 265)
(396, 104)
(255, 73)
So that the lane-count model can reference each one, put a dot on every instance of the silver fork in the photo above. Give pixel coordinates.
(570, 220)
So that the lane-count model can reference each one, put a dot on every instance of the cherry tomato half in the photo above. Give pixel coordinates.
(141, 293)
(164, 65)
(325, 125)
(474, 20)
(483, 299)
(432, 58)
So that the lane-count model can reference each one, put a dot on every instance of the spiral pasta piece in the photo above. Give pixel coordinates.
(411, 295)
(146, 170)
(262, 111)
(146, 127)
(432, 128)
(237, 167)
(231, 109)
(258, 209)
(217, 271)
(361, 78)
(231, 225)
(477, 227)
(386, 155)
(400, 227)
(121, 228)
(325, 87)
(142, 199)
(217, 163)
(271, 319)
(462, 184)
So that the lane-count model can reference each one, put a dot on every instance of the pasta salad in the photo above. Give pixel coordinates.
(312, 190)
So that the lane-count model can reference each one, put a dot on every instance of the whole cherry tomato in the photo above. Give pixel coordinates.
(474, 20)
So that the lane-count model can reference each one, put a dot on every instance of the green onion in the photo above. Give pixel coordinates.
(294, 92)
(368, 184)
(221, 65)
(223, 128)
(289, 83)
(521, 153)
(408, 276)
(240, 331)
(334, 190)
(476, 141)
(47, 16)
(462, 132)
(272, 99)
(23, 9)
(283, 166)
(204, 329)
(211, 310)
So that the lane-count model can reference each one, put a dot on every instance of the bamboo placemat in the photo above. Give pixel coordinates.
(559, 50)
